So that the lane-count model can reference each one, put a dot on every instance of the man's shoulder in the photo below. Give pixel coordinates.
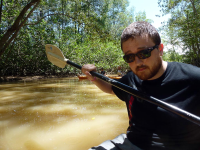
(183, 67)
(130, 73)
(181, 64)
(184, 70)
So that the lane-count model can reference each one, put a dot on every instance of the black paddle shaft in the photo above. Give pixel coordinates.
(191, 117)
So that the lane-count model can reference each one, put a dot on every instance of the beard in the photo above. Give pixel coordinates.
(149, 72)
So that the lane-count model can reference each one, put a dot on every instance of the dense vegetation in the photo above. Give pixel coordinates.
(87, 31)
(182, 31)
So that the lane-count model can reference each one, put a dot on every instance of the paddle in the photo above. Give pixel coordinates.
(56, 57)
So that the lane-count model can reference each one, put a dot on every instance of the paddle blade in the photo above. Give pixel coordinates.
(55, 56)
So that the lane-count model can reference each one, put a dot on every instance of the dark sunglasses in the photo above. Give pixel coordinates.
(141, 54)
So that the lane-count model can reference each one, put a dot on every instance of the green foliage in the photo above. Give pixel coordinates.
(141, 16)
(182, 29)
(172, 55)
(86, 31)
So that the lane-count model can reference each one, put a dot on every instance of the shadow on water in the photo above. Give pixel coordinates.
(64, 114)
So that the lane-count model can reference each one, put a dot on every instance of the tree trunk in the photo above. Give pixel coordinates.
(1, 10)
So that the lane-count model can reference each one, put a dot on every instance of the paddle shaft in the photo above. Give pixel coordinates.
(191, 117)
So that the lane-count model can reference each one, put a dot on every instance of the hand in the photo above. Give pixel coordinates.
(86, 70)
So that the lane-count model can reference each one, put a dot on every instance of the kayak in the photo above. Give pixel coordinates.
(82, 77)
(112, 77)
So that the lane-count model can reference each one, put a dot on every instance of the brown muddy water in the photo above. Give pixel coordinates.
(58, 114)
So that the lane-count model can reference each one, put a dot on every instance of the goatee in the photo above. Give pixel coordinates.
(148, 72)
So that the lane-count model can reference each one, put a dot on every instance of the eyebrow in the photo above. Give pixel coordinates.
(128, 52)
(142, 47)
(139, 48)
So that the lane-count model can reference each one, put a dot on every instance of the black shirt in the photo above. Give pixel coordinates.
(153, 128)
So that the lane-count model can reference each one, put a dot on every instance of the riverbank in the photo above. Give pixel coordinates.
(29, 78)
(37, 77)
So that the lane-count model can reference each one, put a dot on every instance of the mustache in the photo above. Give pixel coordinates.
(141, 66)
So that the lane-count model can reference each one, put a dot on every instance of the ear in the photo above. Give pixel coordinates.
(161, 47)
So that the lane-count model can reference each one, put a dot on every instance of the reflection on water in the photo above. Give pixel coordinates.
(58, 114)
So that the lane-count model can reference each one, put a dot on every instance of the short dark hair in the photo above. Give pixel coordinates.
(140, 28)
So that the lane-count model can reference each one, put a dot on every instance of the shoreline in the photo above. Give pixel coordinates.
(31, 78)
(38, 77)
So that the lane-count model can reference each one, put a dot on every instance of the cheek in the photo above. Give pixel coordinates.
(156, 55)
(132, 66)
(155, 61)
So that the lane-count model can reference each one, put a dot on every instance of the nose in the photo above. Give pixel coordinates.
(138, 61)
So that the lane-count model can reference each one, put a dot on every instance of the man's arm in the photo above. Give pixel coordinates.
(104, 86)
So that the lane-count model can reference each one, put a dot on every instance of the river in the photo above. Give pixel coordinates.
(58, 114)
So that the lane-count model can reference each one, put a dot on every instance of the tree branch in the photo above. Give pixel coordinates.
(12, 32)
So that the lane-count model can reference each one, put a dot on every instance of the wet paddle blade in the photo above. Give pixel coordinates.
(55, 56)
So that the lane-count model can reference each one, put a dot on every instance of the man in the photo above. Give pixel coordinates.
(119, 72)
(151, 127)
(103, 72)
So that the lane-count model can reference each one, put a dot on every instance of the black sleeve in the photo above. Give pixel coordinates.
(120, 93)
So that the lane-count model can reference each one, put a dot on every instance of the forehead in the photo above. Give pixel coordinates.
(137, 44)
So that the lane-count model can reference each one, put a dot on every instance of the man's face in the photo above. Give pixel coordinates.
(145, 69)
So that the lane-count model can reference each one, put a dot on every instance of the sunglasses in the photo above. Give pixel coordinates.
(141, 54)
